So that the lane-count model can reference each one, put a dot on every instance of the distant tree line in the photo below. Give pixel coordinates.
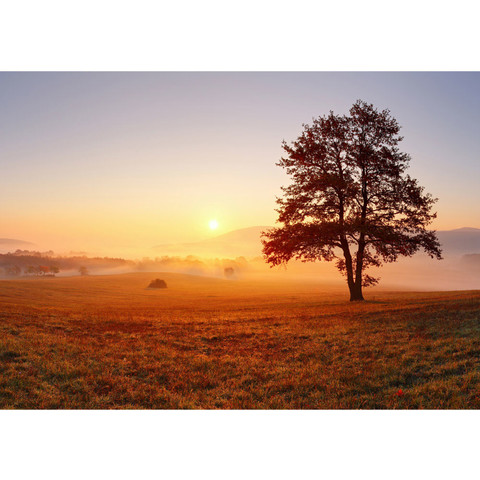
(46, 263)
(24, 262)
(31, 270)
(193, 265)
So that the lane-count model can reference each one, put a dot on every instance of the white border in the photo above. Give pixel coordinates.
(248, 35)
(238, 445)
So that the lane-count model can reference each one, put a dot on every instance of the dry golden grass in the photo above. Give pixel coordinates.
(110, 342)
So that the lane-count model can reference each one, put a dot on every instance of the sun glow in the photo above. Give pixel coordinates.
(213, 224)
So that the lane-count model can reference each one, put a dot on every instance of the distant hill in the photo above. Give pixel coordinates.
(246, 242)
(14, 242)
(460, 241)
(243, 234)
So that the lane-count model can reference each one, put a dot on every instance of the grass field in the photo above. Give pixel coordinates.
(103, 342)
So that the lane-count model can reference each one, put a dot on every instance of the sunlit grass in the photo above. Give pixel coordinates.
(109, 342)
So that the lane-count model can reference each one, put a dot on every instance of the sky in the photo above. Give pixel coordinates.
(122, 161)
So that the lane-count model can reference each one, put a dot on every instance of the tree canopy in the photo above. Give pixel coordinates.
(350, 199)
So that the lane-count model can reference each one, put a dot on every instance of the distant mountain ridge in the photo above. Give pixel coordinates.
(14, 241)
(463, 229)
(246, 242)
(460, 240)
(249, 234)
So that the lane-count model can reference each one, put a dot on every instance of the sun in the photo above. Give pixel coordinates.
(213, 224)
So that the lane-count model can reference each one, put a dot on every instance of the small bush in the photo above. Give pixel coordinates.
(157, 283)
(229, 272)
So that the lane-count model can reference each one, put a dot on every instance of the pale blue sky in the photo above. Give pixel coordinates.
(134, 158)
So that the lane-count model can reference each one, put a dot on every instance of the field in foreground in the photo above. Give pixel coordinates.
(109, 342)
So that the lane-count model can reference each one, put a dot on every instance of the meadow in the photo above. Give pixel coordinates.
(103, 342)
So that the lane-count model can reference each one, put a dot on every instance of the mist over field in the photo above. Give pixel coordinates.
(240, 251)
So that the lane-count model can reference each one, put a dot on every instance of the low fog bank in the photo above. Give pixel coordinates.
(237, 255)
(423, 273)
(460, 269)
(41, 264)
(455, 272)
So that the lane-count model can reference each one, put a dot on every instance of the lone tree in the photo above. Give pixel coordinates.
(350, 198)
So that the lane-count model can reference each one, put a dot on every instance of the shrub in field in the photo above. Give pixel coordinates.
(229, 272)
(157, 283)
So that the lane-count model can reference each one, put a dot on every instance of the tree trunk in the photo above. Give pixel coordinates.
(356, 292)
